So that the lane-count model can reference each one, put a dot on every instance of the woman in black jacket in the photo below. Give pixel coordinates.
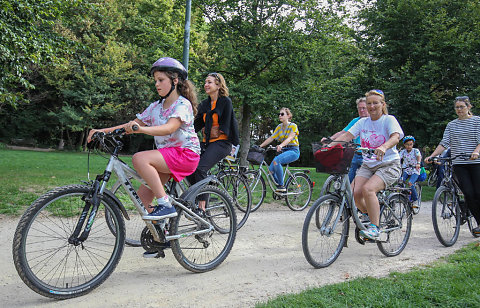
(216, 119)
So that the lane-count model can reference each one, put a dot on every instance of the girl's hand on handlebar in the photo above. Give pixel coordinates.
(91, 133)
(474, 156)
(279, 148)
(132, 127)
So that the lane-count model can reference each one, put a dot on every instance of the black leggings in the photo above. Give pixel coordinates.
(469, 181)
(214, 152)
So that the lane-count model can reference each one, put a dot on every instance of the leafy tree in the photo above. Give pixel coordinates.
(28, 41)
(424, 54)
(282, 53)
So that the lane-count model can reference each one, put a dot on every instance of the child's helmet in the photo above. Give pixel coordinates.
(408, 138)
(169, 64)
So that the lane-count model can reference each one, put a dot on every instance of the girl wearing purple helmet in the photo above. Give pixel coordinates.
(170, 121)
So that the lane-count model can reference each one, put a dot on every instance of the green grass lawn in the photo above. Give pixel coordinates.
(450, 282)
(28, 174)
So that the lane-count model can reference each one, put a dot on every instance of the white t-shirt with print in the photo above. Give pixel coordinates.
(375, 133)
(185, 136)
(410, 159)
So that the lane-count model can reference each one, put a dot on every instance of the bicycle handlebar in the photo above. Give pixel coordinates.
(465, 156)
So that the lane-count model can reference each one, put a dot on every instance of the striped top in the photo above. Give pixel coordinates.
(462, 136)
(281, 134)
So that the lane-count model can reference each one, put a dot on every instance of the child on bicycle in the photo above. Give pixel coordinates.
(170, 120)
(287, 134)
(411, 159)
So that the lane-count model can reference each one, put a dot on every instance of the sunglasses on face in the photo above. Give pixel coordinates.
(281, 114)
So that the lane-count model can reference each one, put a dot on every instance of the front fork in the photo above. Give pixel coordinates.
(89, 212)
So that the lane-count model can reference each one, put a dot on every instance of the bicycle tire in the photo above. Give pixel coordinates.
(327, 186)
(45, 260)
(398, 217)
(134, 226)
(446, 216)
(432, 178)
(238, 188)
(202, 253)
(258, 188)
(299, 191)
(321, 245)
(417, 204)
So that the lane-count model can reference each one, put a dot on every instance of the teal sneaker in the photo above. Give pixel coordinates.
(372, 232)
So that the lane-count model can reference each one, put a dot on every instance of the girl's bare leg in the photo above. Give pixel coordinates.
(151, 166)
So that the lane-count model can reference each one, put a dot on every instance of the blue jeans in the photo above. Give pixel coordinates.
(413, 178)
(356, 163)
(288, 155)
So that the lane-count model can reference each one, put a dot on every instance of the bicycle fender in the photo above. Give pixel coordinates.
(397, 195)
(118, 202)
(191, 193)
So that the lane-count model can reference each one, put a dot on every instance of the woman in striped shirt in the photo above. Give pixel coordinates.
(287, 134)
(463, 136)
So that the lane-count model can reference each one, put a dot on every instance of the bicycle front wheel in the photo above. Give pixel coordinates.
(238, 188)
(396, 223)
(204, 252)
(328, 185)
(258, 188)
(45, 259)
(134, 226)
(299, 191)
(325, 231)
(446, 216)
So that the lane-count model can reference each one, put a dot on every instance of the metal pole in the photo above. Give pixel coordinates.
(186, 36)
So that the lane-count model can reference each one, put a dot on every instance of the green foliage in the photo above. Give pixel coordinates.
(424, 54)
(28, 40)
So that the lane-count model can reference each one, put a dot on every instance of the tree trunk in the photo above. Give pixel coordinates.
(245, 133)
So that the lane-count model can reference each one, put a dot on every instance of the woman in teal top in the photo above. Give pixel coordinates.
(287, 134)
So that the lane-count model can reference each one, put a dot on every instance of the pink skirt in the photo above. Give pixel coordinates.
(180, 161)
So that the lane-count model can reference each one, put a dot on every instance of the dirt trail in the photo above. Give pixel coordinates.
(266, 261)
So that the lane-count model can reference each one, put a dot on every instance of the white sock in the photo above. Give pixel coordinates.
(164, 201)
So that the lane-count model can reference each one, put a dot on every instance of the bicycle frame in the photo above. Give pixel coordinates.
(124, 173)
(286, 174)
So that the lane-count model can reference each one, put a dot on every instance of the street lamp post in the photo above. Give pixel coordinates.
(186, 36)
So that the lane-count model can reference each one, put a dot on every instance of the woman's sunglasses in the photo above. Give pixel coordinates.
(281, 114)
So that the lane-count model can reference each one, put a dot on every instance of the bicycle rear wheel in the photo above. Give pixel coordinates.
(322, 239)
(396, 223)
(238, 188)
(134, 226)
(299, 191)
(204, 252)
(45, 259)
(258, 188)
(446, 216)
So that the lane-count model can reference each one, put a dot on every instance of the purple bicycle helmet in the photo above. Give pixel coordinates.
(169, 64)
